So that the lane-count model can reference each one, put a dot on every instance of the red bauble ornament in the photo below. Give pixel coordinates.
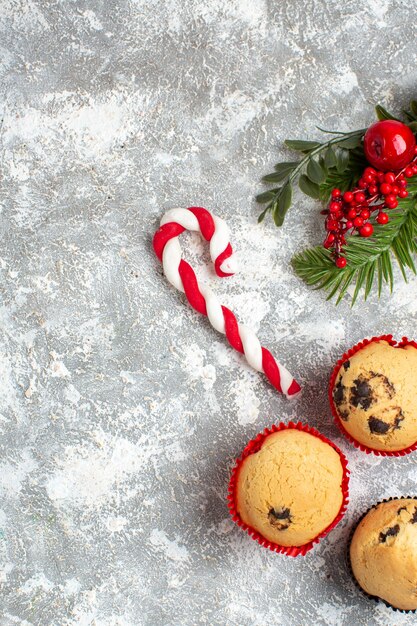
(389, 145)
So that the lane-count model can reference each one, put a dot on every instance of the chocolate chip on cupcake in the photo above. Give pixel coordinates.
(373, 391)
(383, 553)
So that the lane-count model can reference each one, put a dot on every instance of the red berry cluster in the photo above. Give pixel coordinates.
(349, 213)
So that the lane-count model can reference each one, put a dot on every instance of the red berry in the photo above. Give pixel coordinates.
(373, 189)
(382, 218)
(367, 178)
(332, 225)
(389, 178)
(389, 145)
(395, 189)
(329, 240)
(348, 196)
(380, 177)
(341, 262)
(385, 189)
(402, 183)
(365, 214)
(349, 225)
(392, 204)
(390, 198)
(414, 168)
(369, 171)
(362, 184)
(334, 207)
(366, 230)
(358, 222)
(336, 193)
(409, 172)
(352, 214)
(403, 193)
(360, 197)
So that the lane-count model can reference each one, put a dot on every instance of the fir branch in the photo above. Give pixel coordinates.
(368, 258)
(324, 164)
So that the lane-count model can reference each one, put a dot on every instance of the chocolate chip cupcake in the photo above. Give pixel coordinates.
(289, 488)
(383, 553)
(372, 395)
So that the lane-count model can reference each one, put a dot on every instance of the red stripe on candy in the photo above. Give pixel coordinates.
(163, 235)
(190, 284)
(271, 369)
(232, 329)
(205, 221)
(220, 259)
(293, 388)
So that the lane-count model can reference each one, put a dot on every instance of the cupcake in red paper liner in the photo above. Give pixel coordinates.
(289, 488)
(383, 553)
(372, 393)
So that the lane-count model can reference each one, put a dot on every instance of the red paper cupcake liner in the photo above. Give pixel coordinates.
(339, 422)
(253, 446)
(349, 563)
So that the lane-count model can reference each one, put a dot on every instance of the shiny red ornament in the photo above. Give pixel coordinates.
(389, 145)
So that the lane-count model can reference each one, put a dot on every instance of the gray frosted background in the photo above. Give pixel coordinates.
(121, 409)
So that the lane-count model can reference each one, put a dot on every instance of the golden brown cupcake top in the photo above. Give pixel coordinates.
(375, 396)
(291, 489)
(383, 553)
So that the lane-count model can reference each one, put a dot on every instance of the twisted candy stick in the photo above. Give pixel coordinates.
(202, 299)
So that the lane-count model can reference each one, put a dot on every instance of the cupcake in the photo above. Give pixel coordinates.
(289, 488)
(383, 553)
(372, 395)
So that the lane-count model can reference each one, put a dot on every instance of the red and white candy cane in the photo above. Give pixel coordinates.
(202, 299)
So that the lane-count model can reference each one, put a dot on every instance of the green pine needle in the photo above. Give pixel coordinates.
(368, 259)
